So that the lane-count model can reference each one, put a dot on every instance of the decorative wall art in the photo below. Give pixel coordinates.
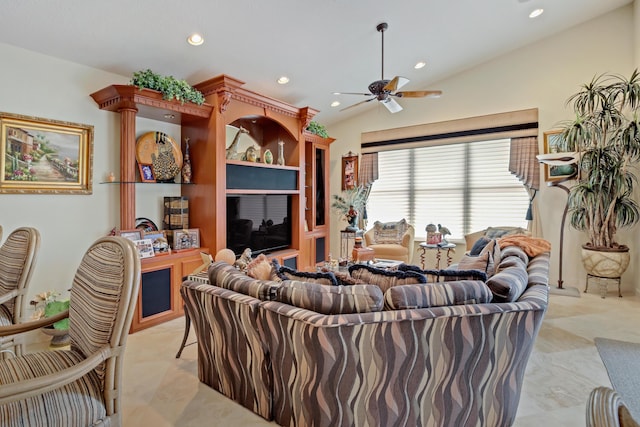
(349, 171)
(552, 145)
(45, 156)
(161, 152)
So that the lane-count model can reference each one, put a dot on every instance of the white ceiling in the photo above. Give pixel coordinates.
(324, 46)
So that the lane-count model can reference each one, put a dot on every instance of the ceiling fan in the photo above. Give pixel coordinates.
(385, 90)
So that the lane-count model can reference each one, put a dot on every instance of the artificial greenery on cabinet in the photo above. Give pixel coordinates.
(170, 87)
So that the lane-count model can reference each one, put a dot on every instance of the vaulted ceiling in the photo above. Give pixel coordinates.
(322, 46)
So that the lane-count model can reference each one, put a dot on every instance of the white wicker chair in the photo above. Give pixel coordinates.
(17, 261)
(80, 386)
(605, 408)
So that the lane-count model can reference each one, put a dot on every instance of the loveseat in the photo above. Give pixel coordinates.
(417, 354)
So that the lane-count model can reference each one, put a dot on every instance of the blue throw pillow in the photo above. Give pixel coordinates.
(479, 245)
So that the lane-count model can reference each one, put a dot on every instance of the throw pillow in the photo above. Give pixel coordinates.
(437, 295)
(326, 278)
(479, 245)
(510, 282)
(389, 232)
(446, 275)
(385, 279)
(497, 232)
(331, 299)
(485, 261)
(260, 268)
(227, 276)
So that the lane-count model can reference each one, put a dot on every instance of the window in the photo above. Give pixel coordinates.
(465, 186)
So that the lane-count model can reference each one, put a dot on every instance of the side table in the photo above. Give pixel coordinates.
(424, 247)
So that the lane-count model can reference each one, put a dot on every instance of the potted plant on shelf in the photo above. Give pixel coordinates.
(170, 87)
(606, 135)
(46, 305)
(318, 129)
(350, 204)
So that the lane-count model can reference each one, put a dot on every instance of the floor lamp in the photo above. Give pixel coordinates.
(561, 159)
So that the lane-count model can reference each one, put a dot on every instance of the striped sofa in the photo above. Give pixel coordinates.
(458, 361)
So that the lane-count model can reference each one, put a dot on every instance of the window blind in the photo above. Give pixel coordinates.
(464, 186)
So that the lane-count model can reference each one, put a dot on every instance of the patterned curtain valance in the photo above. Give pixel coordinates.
(523, 162)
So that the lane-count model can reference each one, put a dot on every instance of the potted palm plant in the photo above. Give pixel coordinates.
(606, 136)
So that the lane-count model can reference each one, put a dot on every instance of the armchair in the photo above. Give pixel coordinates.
(17, 261)
(80, 386)
(605, 408)
(391, 240)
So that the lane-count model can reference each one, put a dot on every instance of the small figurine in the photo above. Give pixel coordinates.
(231, 150)
(444, 232)
(251, 155)
(352, 218)
(244, 260)
(186, 165)
(268, 157)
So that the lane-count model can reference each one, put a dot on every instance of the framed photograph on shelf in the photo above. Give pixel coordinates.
(553, 145)
(131, 234)
(146, 173)
(45, 156)
(349, 171)
(145, 248)
(186, 239)
(159, 240)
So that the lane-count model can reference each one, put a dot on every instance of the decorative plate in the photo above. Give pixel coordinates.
(161, 152)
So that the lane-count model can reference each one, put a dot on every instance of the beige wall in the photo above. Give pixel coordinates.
(42, 86)
(542, 75)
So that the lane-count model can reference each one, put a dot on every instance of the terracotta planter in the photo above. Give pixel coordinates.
(610, 263)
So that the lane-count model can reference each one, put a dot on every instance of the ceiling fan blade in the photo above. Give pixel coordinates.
(395, 84)
(419, 94)
(392, 105)
(357, 103)
(351, 93)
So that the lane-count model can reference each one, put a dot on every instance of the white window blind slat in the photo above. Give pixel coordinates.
(465, 186)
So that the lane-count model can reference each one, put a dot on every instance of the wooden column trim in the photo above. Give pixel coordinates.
(127, 168)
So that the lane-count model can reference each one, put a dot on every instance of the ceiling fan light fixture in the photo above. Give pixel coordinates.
(283, 80)
(195, 39)
(536, 13)
(420, 65)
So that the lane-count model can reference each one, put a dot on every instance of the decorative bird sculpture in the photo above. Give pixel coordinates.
(444, 231)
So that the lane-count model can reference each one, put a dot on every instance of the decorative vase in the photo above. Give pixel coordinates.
(59, 337)
(186, 165)
(281, 153)
(608, 263)
(268, 157)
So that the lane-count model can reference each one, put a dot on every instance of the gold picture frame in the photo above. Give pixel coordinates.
(45, 156)
(552, 144)
(349, 171)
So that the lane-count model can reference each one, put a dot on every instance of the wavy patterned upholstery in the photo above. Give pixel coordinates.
(231, 357)
(422, 367)
(80, 386)
(17, 261)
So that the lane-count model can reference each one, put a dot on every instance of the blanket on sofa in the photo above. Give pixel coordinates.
(532, 246)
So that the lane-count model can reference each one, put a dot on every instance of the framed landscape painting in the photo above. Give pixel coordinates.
(45, 156)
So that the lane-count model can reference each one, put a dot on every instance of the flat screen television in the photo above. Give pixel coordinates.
(261, 222)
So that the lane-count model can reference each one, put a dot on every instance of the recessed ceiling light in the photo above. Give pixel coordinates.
(419, 65)
(335, 103)
(195, 39)
(169, 116)
(283, 80)
(337, 93)
(536, 13)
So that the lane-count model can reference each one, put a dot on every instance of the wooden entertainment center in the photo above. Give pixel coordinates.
(305, 175)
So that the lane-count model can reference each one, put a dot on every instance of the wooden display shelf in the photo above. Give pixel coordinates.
(159, 298)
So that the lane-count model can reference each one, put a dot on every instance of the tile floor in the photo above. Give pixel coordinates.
(160, 390)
